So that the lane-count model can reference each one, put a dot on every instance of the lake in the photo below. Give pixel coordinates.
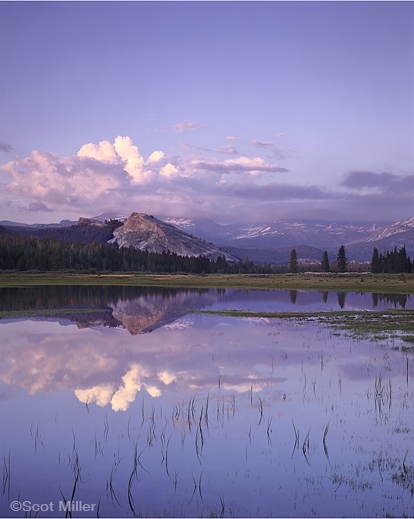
(123, 402)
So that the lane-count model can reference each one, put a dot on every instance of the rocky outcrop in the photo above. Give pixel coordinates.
(146, 233)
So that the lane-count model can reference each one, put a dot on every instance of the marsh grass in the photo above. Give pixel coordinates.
(377, 325)
(6, 475)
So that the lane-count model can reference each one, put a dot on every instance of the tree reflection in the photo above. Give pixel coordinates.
(341, 299)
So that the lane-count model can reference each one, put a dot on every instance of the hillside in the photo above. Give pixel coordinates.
(144, 232)
(84, 231)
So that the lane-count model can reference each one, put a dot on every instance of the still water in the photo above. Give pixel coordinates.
(134, 406)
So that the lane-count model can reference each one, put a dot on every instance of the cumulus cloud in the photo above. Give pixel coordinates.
(104, 152)
(63, 181)
(197, 182)
(134, 163)
(155, 157)
(168, 170)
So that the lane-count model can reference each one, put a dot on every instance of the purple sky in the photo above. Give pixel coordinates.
(235, 111)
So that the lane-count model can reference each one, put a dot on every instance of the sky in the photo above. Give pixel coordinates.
(233, 111)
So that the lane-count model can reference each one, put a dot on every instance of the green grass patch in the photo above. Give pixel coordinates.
(50, 313)
(349, 282)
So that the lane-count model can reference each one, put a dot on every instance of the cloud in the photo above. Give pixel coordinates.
(380, 182)
(222, 150)
(260, 144)
(63, 181)
(155, 157)
(232, 138)
(194, 183)
(245, 165)
(168, 170)
(34, 207)
(228, 150)
(5, 147)
(280, 135)
(273, 191)
(134, 163)
(187, 126)
(104, 152)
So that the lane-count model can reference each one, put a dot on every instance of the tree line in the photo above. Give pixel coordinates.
(394, 262)
(24, 253)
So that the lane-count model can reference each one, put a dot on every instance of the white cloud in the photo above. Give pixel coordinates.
(130, 155)
(104, 152)
(168, 170)
(155, 157)
(104, 177)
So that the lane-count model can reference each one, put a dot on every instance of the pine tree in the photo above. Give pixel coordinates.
(293, 262)
(341, 260)
(376, 264)
(325, 262)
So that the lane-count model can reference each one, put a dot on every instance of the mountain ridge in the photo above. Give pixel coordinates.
(265, 243)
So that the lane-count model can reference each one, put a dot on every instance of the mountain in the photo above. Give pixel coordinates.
(269, 243)
(144, 232)
(280, 233)
(266, 243)
(62, 223)
(399, 234)
(84, 230)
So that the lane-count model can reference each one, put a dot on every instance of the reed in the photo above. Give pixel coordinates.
(326, 432)
(405, 457)
(106, 427)
(6, 475)
(115, 466)
(260, 409)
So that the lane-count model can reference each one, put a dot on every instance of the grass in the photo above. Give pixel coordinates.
(349, 282)
(50, 313)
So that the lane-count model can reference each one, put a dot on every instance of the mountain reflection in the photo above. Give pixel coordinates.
(109, 356)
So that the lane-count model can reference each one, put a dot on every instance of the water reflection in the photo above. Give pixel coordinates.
(143, 309)
(341, 299)
(227, 417)
(293, 294)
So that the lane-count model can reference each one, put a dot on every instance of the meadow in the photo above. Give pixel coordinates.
(348, 282)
